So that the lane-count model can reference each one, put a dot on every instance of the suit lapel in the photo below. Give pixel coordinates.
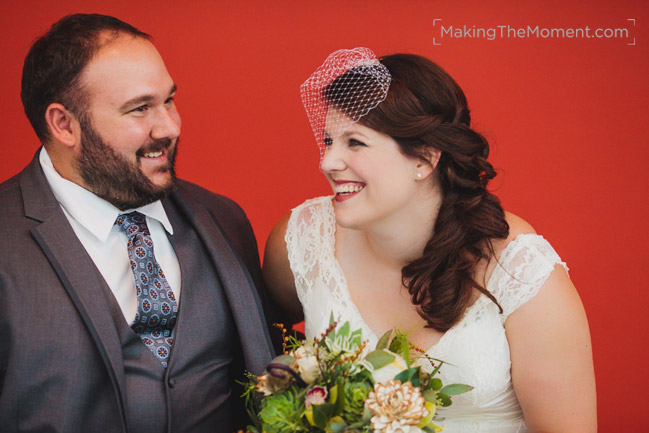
(237, 284)
(76, 271)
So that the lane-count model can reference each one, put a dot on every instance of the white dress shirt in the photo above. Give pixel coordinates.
(93, 221)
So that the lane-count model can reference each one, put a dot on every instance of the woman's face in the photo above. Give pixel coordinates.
(373, 182)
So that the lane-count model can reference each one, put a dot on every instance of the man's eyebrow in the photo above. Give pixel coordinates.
(144, 99)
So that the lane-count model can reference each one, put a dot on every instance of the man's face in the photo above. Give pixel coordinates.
(131, 127)
(111, 176)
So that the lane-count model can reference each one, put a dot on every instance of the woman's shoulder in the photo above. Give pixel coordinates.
(301, 215)
(518, 230)
(517, 226)
(522, 242)
(322, 202)
(291, 250)
(311, 215)
(522, 262)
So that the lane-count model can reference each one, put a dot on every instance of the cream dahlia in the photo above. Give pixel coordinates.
(396, 407)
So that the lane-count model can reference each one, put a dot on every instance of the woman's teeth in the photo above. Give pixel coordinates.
(348, 188)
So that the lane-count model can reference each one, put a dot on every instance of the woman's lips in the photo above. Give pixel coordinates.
(347, 189)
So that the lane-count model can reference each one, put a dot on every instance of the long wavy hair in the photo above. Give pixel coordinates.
(425, 109)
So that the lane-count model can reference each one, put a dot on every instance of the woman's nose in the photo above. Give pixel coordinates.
(333, 158)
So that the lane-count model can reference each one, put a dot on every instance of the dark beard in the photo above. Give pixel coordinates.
(112, 177)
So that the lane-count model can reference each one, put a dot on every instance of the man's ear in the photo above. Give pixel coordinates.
(62, 124)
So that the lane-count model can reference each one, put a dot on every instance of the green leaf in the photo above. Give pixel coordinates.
(344, 330)
(331, 318)
(322, 413)
(367, 415)
(406, 375)
(333, 394)
(405, 353)
(357, 337)
(416, 377)
(437, 369)
(428, 429)
(384, 341)
(444, 399)
(456, 388)
(341, 399)
(379, 358)
(401, 346)
(395, 346)
(337, 427)
(430, 395)
(437, 383)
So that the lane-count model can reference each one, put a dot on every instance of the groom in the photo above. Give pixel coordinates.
(94, 335)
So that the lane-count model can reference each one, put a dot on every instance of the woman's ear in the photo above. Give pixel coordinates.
(63, 125)
(426, 166)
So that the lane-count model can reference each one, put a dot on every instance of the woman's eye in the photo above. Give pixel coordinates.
(353, 142)
(327, 141)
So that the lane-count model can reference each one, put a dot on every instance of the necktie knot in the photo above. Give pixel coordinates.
(132, 223)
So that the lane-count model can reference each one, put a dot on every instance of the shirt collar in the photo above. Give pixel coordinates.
(92, 212)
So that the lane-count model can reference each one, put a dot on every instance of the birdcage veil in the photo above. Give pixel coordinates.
(342, 90)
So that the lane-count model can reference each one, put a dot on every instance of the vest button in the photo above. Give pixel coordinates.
(171, 383)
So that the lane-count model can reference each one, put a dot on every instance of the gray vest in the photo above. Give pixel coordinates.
(192, 395)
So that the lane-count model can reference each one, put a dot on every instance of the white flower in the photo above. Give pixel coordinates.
(387, 372)
(307, 364)
(396, 407)
(397, 427)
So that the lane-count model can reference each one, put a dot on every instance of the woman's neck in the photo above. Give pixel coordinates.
(400, 240)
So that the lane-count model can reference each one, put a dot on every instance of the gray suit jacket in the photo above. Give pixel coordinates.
(60, 356)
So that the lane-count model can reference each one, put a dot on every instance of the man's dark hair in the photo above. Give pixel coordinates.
(53, 66)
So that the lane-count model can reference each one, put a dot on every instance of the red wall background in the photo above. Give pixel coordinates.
(567, 118)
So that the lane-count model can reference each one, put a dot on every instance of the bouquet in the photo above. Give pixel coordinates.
(327, 385)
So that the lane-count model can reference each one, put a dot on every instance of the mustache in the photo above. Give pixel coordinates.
(156, 146)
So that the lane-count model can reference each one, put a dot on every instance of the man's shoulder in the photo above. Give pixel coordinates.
(10, 185)
(11, 190)
(218, 209)
(11, 199)
(200, 196)
(14, 222)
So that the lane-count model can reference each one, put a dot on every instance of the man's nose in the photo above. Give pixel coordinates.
(166, 124)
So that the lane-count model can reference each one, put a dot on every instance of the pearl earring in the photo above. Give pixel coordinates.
(419, 175)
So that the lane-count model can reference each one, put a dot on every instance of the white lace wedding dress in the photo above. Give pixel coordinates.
(475, 349)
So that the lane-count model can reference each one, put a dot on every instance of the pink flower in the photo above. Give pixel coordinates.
(315, 395)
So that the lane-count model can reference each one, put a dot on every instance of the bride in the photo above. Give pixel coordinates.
(413, 239)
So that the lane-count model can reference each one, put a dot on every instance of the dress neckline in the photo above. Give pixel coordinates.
(445, 336)
(470, 310)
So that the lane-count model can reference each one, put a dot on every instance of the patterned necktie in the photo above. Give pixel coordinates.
(156, 304)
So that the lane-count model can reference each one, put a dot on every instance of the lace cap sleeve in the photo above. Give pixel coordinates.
(309, 237)
(525, 265)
